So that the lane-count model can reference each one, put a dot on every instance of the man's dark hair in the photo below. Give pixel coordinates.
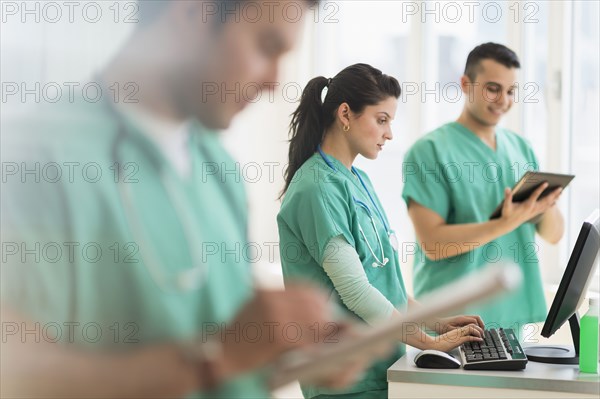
(150, 10)
(490, 51)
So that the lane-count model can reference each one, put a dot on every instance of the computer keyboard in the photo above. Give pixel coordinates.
(500, 350)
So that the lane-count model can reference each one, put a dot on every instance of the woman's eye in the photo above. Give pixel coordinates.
(382, 121)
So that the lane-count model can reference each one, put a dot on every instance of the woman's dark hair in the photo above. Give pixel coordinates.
(358, 85)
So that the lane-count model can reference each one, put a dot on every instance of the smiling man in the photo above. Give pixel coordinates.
(455, 176)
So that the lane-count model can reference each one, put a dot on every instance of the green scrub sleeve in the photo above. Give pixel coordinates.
(315, 215)
(343, 266)
(423, 180)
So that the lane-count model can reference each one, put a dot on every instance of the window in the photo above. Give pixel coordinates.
(448, 44)
(585, 122)
(534, 89)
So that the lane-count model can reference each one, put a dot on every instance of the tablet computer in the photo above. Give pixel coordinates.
(530, 182)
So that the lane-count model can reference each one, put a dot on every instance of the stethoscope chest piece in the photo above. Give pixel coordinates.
(380, 264)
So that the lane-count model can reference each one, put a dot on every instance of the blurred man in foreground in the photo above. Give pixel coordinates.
(119, 298)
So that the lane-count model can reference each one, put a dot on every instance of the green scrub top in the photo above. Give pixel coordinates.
(454, 173)
(318, 206)
(85, 266)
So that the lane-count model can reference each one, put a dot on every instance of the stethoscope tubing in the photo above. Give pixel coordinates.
(378, 262)
(186, 280)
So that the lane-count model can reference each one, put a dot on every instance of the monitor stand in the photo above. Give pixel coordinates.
(557, 354)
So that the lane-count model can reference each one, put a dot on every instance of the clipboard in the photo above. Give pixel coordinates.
(529, 183)
(484, 284)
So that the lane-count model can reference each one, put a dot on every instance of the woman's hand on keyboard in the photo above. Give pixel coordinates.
(444, 325)
(456, 337)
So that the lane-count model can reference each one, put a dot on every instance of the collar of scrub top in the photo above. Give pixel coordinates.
(355, 172)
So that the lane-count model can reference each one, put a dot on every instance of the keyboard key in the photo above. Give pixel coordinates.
(496, 352)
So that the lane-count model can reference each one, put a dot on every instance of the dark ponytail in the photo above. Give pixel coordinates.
(306, 128)
(358, 85)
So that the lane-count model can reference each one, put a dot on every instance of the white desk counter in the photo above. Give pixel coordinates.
(538, 380)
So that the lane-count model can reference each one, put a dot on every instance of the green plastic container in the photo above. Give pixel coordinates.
(588, 343)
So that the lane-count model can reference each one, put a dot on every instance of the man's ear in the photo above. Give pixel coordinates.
(468, 88)
(466, 85)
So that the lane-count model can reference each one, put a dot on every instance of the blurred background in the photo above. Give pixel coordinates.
(423, 44)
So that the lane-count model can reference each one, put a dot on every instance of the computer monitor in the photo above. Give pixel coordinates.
(572, 289)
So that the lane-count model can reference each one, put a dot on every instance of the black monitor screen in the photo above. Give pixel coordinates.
(578, 274)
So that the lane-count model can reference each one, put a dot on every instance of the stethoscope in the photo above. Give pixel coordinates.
(379, 262)
(182, 281)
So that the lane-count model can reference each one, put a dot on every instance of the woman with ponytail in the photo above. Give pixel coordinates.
(333, 230)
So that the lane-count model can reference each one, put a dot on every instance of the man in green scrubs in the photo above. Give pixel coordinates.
(455, 176)
(118, 235)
